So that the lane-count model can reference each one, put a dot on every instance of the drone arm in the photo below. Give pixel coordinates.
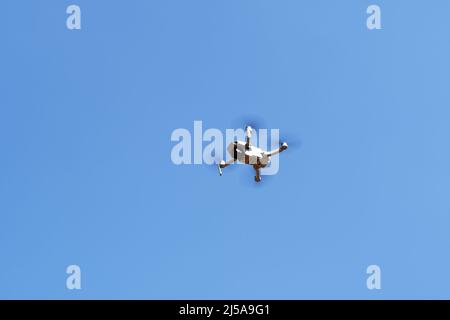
(248, 136)
(283, 147)
(224, 164)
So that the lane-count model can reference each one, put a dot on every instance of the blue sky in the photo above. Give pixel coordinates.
(86, 175)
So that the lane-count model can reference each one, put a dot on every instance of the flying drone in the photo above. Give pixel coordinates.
(247, 153)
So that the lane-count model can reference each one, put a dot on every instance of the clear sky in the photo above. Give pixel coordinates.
(86, 176)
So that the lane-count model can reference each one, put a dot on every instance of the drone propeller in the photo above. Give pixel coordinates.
(292, 141)
(215, 166)
(254, 121)
(257, 122)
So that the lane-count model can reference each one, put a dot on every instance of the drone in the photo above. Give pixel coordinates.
(246, 153)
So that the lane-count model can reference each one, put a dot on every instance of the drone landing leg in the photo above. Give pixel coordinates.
(258, 175)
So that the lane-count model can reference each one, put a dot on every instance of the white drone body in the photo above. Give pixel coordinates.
(246, 153)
